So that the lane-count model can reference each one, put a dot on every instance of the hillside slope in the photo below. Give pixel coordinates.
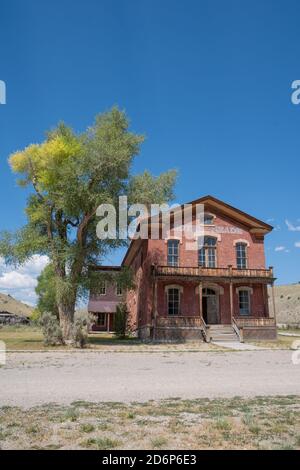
(287, 299)
(13, 306)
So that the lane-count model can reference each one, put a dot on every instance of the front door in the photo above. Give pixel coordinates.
(210, 306)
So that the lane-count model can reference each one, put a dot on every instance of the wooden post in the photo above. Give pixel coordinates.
(108, 321)
(231, 300)
(200, 299)
(231, 291)
(155, 310)
(155, 299)
(273, 301)
(266, 302)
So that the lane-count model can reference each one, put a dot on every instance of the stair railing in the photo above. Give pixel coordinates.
(238, 331)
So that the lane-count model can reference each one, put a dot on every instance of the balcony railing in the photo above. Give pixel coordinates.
(201, 272)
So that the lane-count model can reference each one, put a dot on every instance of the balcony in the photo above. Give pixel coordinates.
(213, 273)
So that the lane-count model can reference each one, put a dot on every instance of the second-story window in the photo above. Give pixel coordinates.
(119, 290)
(173, 252)
(102, 288)
(207, 253)
(241, 255)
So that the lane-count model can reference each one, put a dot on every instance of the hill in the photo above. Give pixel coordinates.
(15, 307)
(287, 299)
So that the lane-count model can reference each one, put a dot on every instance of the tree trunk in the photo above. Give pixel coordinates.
(66, 317)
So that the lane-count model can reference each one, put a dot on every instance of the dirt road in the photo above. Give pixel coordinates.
(30, 379)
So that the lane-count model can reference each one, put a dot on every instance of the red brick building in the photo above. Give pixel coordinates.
(104, 300)
(218, 291)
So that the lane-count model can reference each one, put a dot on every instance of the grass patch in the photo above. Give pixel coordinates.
(87, 427)
(257, 423)
(158, 442)
(28, 337)
(100, 443)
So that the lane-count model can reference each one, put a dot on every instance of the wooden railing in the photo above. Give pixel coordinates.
(238, 331)
(205, 331)
(199, 271)
(179, 321)
(254, 322)
(184, 322)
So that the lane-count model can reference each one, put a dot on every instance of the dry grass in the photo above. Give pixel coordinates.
(260, 423)
(30, 338)
(282, 342)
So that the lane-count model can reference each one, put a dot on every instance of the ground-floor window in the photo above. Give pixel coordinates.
(244, 302)
(100, 319)
(173, 301)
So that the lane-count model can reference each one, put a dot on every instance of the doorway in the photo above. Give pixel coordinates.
(210, 306)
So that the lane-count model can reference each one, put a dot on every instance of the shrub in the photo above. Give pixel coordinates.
(51, 330)
(80, 329)
(121, 321)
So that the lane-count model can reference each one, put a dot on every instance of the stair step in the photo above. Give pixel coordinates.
(224, 338)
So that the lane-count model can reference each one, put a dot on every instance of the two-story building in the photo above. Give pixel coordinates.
(104, 299)
(218, 291)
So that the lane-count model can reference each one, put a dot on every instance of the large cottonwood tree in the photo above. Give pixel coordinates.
(70, 174)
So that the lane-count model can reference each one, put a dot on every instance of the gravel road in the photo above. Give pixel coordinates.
(30, 379)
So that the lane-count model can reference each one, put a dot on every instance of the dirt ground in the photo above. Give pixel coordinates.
(38, 378)
(230, 423)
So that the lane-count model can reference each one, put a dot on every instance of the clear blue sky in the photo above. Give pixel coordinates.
(208, 82)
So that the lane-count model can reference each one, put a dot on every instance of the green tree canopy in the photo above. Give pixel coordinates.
(46, 291)
(70, 175)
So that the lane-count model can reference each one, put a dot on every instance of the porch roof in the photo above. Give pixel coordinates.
(102, 306)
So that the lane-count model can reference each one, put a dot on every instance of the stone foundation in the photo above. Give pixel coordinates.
(260, 333)
(175, 335)
(145, 333)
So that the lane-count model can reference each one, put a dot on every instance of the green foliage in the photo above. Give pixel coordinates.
(51, 330)
(80, 329)
(71, 175)
(145, 188)
(121, 317)
(46, 291)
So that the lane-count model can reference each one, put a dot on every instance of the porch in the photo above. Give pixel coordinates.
(211, 296)
(103, 322)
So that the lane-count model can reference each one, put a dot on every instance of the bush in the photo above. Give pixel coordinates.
(121, 321)
(80, 329)
(51, 330)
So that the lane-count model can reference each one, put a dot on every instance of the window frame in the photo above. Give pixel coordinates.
(208, 216)
(119, 290)
(101, 315)
(239, 257)
(174, 242)
(242, 311)
(172, 289)
(207, 249)
(102, 289)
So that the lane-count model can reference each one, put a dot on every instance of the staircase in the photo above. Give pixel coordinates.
(222, 333)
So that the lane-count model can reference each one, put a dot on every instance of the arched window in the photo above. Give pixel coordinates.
(207, 292)
(173, 294)
(173, 252)
(207, 253)
(241, 255)
(208, 219)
